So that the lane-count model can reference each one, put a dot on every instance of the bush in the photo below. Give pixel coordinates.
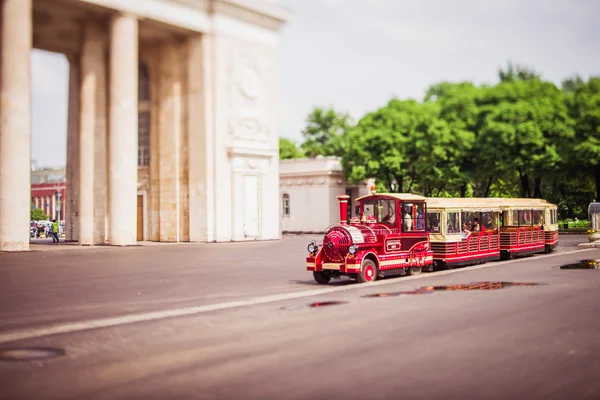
(38, 214)
(572, 224)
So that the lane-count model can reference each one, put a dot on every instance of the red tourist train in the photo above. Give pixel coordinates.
(405, 234)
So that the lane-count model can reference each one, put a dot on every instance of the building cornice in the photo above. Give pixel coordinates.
(248, 152)
(264, 13)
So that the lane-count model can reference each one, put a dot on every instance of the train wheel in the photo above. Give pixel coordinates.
(321, 277)
(414, 270)
(368, 272)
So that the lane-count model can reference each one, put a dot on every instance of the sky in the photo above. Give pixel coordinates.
(354, 55)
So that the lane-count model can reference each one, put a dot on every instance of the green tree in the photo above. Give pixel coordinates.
(523, 126)
(458, 108)
(571, 84)
(325, 132)
(517, 73)
(584, 108)
(38, 214)
(288, 150)
(406, 147)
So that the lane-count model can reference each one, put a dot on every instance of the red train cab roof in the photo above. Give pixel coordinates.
(398, 196)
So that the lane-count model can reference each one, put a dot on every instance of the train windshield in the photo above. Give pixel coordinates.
(383, 210)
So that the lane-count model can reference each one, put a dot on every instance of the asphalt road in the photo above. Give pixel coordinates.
(230, 321)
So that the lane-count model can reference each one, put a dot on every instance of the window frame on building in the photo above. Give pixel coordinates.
(286, 207)
(143, 116)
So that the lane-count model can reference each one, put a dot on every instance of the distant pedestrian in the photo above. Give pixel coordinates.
(55, 230)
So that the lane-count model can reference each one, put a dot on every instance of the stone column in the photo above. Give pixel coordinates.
(53, 206)
(15, 125)
(72, 190)
(91, 58)
(201, 145)
(123, 127)
(170, 131)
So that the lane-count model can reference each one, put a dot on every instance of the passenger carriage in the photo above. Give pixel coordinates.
(388, 236)
(529, 226)
(550, 226)
(455, 238)
(522, 231)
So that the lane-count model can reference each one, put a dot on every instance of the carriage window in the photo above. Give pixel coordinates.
(368, 209)
(514, 218)
(525, 218)
(553, 217)
(468, 219)
(537, 217)
(433, 222)
(413, 217)
(386, 212)
(453, 223)
(383, 210)
(486, 220)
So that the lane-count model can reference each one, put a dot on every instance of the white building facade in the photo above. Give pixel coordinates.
(308, 194)
(172, 130)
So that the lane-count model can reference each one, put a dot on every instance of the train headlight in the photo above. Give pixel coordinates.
(312, 247)
(352, 249)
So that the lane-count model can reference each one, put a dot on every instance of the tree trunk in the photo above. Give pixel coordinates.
(439, 190)
(463, 190)
(388, 181)
(537, 191)
(525, 191)
(400, 182)
(488, 187)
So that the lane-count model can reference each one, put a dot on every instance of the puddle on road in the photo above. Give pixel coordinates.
(481, 286)
(395, 294)
(327, 303)
(313, 305)
(583, 264)
(30, 354)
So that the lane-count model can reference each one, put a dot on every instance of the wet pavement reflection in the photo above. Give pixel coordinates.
(29, 354)
(583, 264)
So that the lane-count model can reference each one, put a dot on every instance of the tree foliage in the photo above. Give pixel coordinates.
(288, 150)
(324, 132)
(584, 108)
(38, 214)
(522, 136)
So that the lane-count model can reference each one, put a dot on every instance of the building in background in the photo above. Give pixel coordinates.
(172, 118)
(48, 191)
(308, 190)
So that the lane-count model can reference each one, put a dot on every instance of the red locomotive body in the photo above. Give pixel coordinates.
(389, 237)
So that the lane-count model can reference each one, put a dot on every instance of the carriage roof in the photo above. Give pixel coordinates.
(487, 203)
(398, 196)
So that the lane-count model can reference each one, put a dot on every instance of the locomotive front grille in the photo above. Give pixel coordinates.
(336, 243)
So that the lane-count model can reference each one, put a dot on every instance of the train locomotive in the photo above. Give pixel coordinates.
(396, 234)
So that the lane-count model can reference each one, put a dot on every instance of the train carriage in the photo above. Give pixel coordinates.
(522, 231)
(463, 231)
(550, 226)
(406, 233)
(389, 236)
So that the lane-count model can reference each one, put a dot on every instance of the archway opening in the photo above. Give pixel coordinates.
(49, 109)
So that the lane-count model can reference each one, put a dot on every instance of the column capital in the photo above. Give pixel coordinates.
(125, 14)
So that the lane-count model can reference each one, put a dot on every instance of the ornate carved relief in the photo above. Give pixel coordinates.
(312, 181)
(249, 68)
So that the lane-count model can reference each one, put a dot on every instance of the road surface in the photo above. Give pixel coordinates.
(232, 321)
